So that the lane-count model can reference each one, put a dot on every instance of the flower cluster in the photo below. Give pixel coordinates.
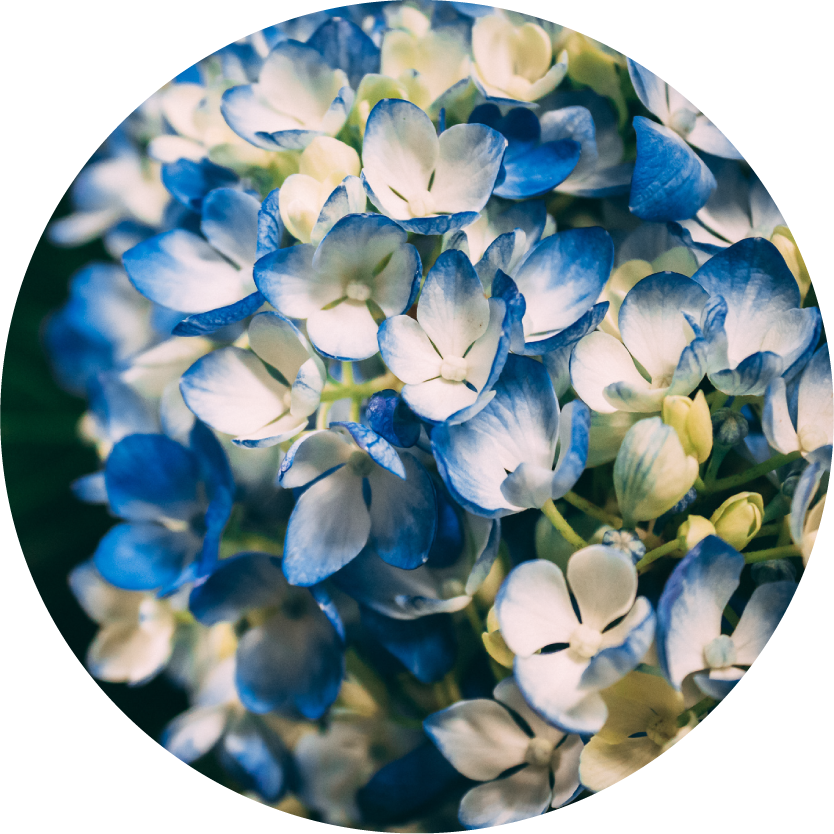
(463, 403)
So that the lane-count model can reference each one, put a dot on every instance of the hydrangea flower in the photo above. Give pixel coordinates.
(136, 630)
(297, 97)
(535, 611)
(363, 260)
(292, 657)
(661, 310)
(755, 328)
(483, 739)
(514, 63)
(249, 748)
(455, 350)
(806, 422)
(552, 293)
(427, 183)
(503, 459)
(370, 496)
(237, 391)
(210, 277)
(689, 614)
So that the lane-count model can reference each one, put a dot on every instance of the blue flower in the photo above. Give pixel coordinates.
(428, 184)
(291, 658)
(175, 501)
(360, 493)
(210, 278)
(364, 259)
(689, 614)
(452, 354)
(502, 460)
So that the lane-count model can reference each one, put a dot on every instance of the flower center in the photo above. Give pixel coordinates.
(360, 463)
(810, 438)
(682, 121)
(720, 652)
(358, 291)
(539, 751)
(585, 641)
(421, 204)
(662, 729)
(454, 368)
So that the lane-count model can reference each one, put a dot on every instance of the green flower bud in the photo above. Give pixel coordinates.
(695, 528)
(652, 471)
(729, 427)
(691, 420)
(739, 518)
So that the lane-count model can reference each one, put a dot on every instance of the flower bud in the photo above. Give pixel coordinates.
(695, 528)
(494, 643)
(729, 427)
(626, 541)
(739, 518)
(691, 420)
(652, 471)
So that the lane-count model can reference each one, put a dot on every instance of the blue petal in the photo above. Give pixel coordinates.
(238, 584)
(90, 488)
(403, 515)
(377, 447)
(271, 232)
(256, 758)
(691, 605)
(750, 275)
(230, 224)
(439, 225)
(427, 647)
(202, 323)
(806, 489)
(670, 181)
(149, 476)
(650, 89)
(570, 335)
(574, 437)
(145, 556)
(345, 46)
(750, 377)
(291, 663)
(189, 182)
(539, 170)
(389, 416)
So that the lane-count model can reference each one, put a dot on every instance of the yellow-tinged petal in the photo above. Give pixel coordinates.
(739, 518)
(783, 240)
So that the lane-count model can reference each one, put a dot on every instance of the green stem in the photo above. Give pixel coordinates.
(663, 550)
(717, 401)
(730, 616)
(700, 486)
(558, 521)
(751, 474)
(701, 708)
(769, 530)
(718, 455)
(358, 390)
(593, 510)
(771, 553)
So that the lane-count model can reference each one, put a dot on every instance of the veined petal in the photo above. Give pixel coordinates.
(574, 441)
(534, 608)
(478, 737)
(407, 351)
(232, 391)
(279, 343)
(328, 527)
(453, 310)
(776, 419)
(670, 181)
(651, 90)
(604, 583)
(692, 604)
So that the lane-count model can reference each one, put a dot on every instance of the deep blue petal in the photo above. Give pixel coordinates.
(377, 447)
(670, 181)
(427, 646)
(389, 416)
(190, 182)
(271, 232)
(539, 170)
(202, 323)
(345, 46)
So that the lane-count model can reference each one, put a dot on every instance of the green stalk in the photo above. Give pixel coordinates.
(359, 390)
(663, 550)
(558, 521)
(751, 474)
(593, 510)
(771, 553)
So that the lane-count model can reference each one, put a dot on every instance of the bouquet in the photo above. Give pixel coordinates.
(463, 404)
